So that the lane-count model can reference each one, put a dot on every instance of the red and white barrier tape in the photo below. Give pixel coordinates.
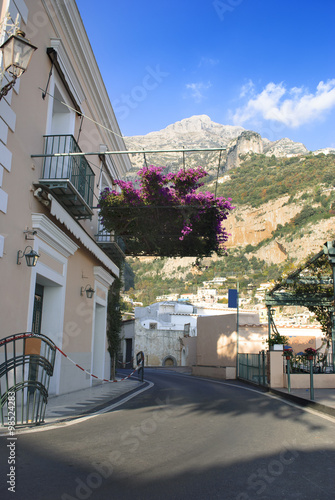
(16, 337)
(95, 376)
(27, 335)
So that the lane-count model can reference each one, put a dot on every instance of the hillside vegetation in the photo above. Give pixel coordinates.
(260, 178)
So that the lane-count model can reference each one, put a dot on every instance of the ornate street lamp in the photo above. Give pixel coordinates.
(16, 53)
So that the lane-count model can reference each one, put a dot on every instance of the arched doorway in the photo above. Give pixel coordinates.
(169, 361)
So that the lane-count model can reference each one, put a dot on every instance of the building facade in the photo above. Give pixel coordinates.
(50, 203)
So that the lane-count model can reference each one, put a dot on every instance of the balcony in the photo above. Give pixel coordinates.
(70, 178)
(110, 243)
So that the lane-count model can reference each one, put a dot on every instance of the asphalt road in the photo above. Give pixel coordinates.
(183, 438)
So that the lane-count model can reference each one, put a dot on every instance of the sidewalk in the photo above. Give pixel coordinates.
(324, 399)
(85, 401)
(74, 404)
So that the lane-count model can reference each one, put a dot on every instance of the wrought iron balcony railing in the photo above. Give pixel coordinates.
(111, 244)
(70, 178)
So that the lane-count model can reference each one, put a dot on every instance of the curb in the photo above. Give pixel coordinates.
(314, 405)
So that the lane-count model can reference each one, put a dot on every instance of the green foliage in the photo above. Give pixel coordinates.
(276, 338)
(114, 317)
(260, 178)
(315, 279)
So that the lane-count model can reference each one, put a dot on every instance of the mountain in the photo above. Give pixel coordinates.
(285, 147)
(201, 132)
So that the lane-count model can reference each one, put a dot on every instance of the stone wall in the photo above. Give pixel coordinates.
(160, 347)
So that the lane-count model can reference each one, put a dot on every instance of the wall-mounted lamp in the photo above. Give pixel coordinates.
(16, 53)
(89, 291)
(31, 257)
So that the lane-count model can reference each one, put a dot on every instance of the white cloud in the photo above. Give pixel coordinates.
(248, 88)
(293, 107)
(197, 90)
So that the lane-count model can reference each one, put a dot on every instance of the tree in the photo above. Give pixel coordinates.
(114, 322)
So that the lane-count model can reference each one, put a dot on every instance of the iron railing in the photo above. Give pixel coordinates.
(253, 368)
(75, 169)
(26, 365)
(321, 364)
(105, 236)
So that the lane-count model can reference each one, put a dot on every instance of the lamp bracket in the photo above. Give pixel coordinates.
(29, 234)
(4, 91)
(9, 26)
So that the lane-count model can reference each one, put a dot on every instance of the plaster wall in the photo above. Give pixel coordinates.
(189, 356)
(217, 338)
(302, 381)
(275, 369)
(219, 372)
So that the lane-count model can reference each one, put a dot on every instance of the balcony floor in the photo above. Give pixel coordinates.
(70, 198)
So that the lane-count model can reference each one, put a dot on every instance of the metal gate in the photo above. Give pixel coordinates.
(26, 365)
(253, 368)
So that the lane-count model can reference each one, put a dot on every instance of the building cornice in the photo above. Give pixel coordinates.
(48, 232)
(102, 276)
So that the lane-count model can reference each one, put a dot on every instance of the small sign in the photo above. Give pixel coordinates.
(232, 298)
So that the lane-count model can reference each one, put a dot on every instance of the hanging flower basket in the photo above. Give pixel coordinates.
(166, 216)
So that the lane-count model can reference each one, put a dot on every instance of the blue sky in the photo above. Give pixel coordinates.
(267, 65)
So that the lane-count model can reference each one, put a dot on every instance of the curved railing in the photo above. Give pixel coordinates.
(26, 365)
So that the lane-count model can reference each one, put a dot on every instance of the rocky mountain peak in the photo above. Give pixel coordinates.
(247, 142)
(284, 147)
(200, 132)
(202, 123)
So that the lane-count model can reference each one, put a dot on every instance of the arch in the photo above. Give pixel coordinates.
(169, 361)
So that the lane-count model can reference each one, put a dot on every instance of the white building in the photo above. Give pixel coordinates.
(169, 315)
